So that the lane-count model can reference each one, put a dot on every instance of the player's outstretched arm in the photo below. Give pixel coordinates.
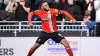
(30, 14)
(69, 16)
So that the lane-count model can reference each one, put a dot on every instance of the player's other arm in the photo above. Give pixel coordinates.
(30, 14)
(68, 15)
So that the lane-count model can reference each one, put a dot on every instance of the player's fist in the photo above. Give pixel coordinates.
(31, 25)
(73, 21)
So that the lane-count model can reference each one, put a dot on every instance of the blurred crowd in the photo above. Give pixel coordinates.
(14, 10)
(77, 8)
(81, 10)
(17, 10)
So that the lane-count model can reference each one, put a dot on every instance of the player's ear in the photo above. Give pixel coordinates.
(41, 7)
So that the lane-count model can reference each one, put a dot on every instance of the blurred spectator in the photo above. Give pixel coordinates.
(90, 24)
(97, 7)
(9, 5)
(8, 13)
(21, 10)
(60, 6)
(36, 4)
(1, 3)
(17, 0)
(89, 19)
(74, 10)
(64, 1)
(89, 6)
(29, 2)
(5, 16)
(81, 4)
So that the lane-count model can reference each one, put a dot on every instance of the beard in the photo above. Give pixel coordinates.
(46, 9)
(22, 0)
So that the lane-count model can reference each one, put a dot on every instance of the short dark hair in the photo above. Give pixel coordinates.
(42, 2)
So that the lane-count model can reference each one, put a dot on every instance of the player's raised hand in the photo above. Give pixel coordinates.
(73, 21)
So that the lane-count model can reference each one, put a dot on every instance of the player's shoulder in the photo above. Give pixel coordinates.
(56, 10)
(38, 10)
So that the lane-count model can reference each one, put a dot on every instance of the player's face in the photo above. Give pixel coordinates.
(45, 6)
(91, 0)
(56, 1)
(22, 0)
(70, 2)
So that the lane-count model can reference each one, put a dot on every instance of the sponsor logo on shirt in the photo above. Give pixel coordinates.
(45, 19)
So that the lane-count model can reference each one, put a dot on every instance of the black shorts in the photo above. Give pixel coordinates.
(56, 36)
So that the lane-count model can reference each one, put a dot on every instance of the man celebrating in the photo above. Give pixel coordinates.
(21, 8)
(49, 29)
